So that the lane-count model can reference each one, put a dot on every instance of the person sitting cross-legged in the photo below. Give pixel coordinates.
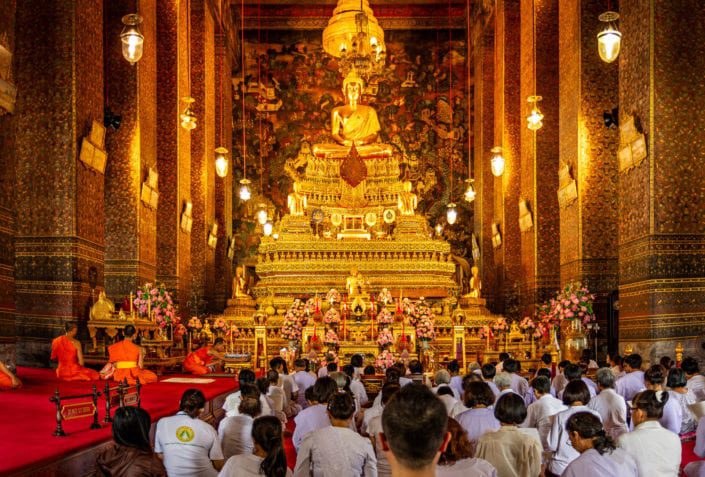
(235, 431)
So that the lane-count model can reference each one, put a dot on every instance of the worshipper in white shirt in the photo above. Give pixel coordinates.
(479, 418)
(456, 381)
(657, 451)
(457, 459)
(519, 384)
(336, 450)
(374, 427)
(672, 415)
(189, 447)
(574, 372)
(576, 396)
(356, 386)
(404, 373)
(488, 371)
(445, 394)
(546, 361)
(268, 458)
(232, 402)
(442, 378)
(330, 367)
(392, 375)
(512, 452)
(303, 379)
(414, 433)
(502, 358)
(357, 362)
(288, 385)
(531, 395)
(615, 363)
(235, 432)
(314, 417)
(697, 468)
(560, 381)
(273, 394)
(587, 360)
(598, 455)
(503, 381)
(696, 381)
(609, 405)
(677, 384)
(538, 413)
(633, 380)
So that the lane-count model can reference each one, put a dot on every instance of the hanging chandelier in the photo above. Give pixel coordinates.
(470, 193)
(354, 36)
(451, 213)
(497, 162)
(221, 162)
(131, 38)
(535, 118)
(609, 40)
(188, 119)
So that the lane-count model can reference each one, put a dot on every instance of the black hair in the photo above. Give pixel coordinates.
(349, 370)
(617, 359)
(69, 325)
(250, 406)
(633, 360)
(666, 362)
(510, 409)
(192, 402)
(307, 364)
(676, 378)
(541, 384)
(546, 373)
(129, 331)
(277, 361)
(218, 341)
(546, 358)
(478, 393)
(388, 391)
(263, 384)
(453, 366)
(332, 367)
(654, 375)
(356, 361)
(414, 425)
(323, 389)
(309, 394)
(589, 426)
(563, 363)
(690, 365)
(652, 402)
(131, 428)
(511, 366)
(572, 372)
(341, 406)
(576, 391)
(488, 370)
(444, 390)
(392, 374)
(267, 433)
(249, 390)
(503, 356)
(369, 370)
(273, 377)
(415, 366)
(300, 363)
(246, 376)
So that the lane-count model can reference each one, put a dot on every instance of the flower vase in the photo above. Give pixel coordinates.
(574, 340)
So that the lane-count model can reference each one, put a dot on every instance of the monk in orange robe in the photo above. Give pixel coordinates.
(197, 361)
(67, 351)
(128, 359)
(7, 378)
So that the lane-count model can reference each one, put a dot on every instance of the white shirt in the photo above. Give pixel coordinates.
(450, 402)
(310, 419)
(558, 442)
(494, 388)
(519, 385)
(288, 384)
(672, 417)
(559, 383)
(276, 394)
(456, 394)
(700, 438)
(592, 388)
(456, 383)
(235, 434)
(697, 385)
(374, 428)
(610, 464)
(335, 452)
(477, 421)
(465, 468)
(323, 372)
(657, 451)
(404, 381)
(630, 384)
(613, 410)
(303, 381)
(189, 445)
(245, 465)
(232, 403)
(359, 391)
(370, 414)
(688, 422)
(538, 416)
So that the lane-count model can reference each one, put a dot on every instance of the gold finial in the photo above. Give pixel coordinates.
(679, 352)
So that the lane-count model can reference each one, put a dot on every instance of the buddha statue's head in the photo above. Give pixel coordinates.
(353, 86)
(407, 186)
(475, 271)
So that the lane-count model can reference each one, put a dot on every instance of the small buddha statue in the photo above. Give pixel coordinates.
(240, 283)
(206, 331)
(475, 283)
(407, 201)
(296, 201)
(515, 332)
(103, 309)
(355, 283)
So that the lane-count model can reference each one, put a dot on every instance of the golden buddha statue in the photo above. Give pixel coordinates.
(475, 283)
(514, 332)
(103, 309)
(355, 283)
(407, 200)
(240, 283)
(296, 201)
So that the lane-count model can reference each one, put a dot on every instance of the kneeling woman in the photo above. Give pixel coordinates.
(268, 459)
(336, 450)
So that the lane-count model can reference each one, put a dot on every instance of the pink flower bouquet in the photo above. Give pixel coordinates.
(385, 337)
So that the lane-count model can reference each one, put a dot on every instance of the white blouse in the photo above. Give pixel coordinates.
(610, 464)
(465, 468)
(245, 465)
(657, 451)
(335, 452)
(235, 435)
(558, 442)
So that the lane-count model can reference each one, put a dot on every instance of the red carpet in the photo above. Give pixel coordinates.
(27, 418)
(289, 445)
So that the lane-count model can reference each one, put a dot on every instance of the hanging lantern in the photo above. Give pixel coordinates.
(267, 229)
(132, 39)
(451, 213)
(262, 216)
(535, 118)
(245, 192)
(470, 191)
(439, 229)
(496, 163)
(609, 40)
(188, 119)
(221, 162)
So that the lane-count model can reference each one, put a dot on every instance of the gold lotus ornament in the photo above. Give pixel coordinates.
(389, 216)
(371, 219)
(336, 218)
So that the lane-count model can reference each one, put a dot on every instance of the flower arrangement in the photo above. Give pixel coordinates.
(571, 303)
(297, 312)
(331, 338)
(157, 301)
(194, 324)
(333, 296)
(425, 330)
(527, 324)
(291, 328)
(220, 325)
(331, 317)
(500, 325)
(408, 307)
(233, 332)
(385, 296)
(384, 360)
(421, 312)
(385, 337)
(483, 332)
(385, 317)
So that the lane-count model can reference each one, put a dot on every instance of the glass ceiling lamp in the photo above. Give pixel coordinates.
(221, 162)
(497, 162)
(354, 36)
(451, 213)
(262, 216)
(132, 39)
(188, 119)
(470, 191)
(267, 229)
(535, 118)
(609, 40)
(245, 192)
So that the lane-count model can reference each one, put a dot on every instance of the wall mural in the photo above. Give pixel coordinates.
(291, 85)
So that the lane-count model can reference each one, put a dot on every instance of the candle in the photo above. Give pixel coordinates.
(149, 308)
(130, 303)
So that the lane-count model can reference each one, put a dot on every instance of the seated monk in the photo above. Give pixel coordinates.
(66, 350)
(128, 359)
(7, 379)
(197, 361)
